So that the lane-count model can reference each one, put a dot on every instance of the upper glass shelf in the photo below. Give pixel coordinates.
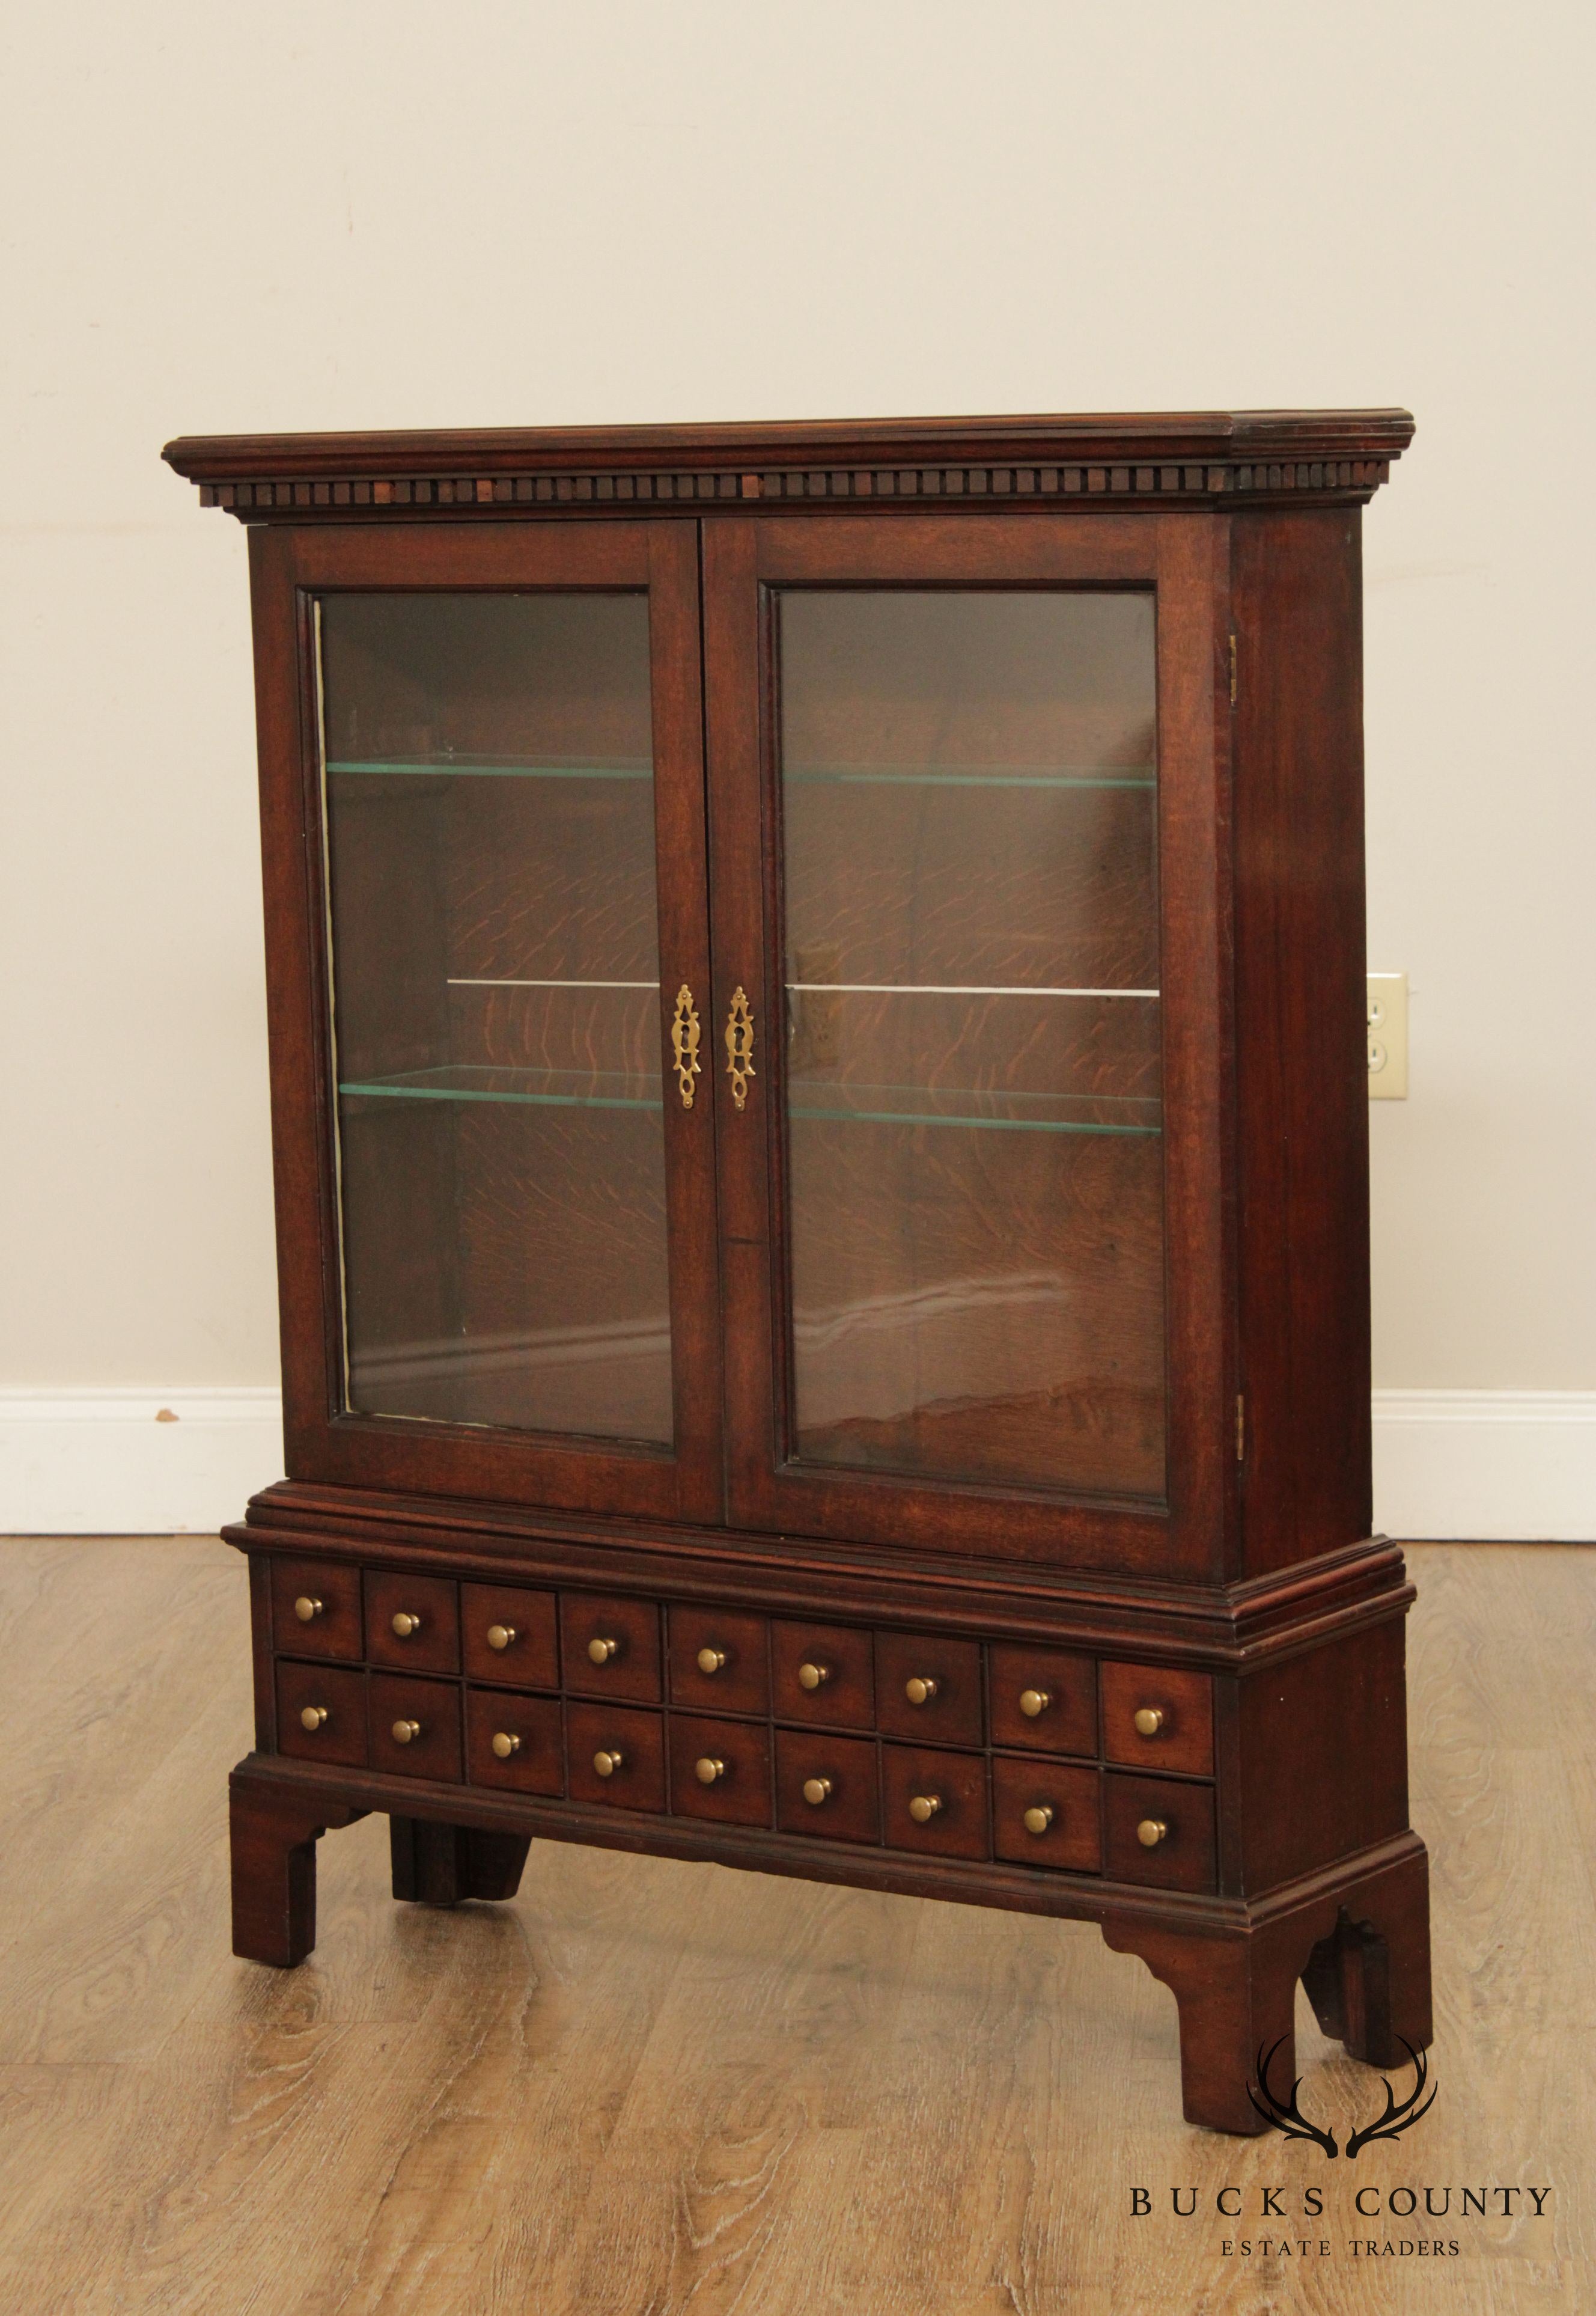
(513, 768)
(550, 1089)
(1033, 1113)
(975, 776)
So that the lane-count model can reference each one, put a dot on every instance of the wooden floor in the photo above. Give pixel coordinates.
(649, 2088)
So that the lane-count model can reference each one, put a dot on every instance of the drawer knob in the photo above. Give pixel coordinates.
(600, 1651)
(1033, 1701)
(1151, 1831)
(505, 1743)
(708, 1770)
(924, 1807)
(313, 1716)
(817, 1790)
(307, 1609)
(921, 1690)
(500, 1636)
(1150, 1719)
(608, 1760)
(1038, 1817)
(405, 1626)
(405, 1733)
(813, 1676)
(711, 1660)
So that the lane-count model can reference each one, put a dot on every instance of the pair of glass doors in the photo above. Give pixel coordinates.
(724, 965)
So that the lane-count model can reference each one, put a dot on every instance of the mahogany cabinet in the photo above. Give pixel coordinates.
(816, 983)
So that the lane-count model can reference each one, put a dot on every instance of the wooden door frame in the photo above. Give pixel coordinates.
(288, 567)
(1184, 557)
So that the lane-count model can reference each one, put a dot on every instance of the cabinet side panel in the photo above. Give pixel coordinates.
(1299, 1015)
(1323, 1756)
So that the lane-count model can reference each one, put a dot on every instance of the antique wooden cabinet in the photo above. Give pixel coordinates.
(817, 1021)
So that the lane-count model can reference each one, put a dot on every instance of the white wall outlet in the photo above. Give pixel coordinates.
(1387, 1036)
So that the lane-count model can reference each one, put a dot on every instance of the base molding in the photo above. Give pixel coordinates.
(1488, 1466)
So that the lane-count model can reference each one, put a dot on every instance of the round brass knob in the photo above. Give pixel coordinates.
(306, 1609)
(817, 1790)
(924, 1807)
(313, 1716)
(405, 1733)
(711, 1660)
(813, 1676)
(602, 1651)
(609, 1761)
(405, 1625)
(1039, 1817)
(500, 1636)
(1151, 1831)
(921, 1690)
(708, 1770)
(505, 1743)
(1033, 1701)
(1150, 1719)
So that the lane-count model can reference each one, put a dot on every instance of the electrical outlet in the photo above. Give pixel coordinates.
(1387, 1036)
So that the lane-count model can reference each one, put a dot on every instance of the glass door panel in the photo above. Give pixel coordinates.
(490, 817)
(974, 1153)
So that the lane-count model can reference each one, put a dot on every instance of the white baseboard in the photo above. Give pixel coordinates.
(134, 1462)
(1495, 1465)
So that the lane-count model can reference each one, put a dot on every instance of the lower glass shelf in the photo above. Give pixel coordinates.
(1033, 1113)
(566, 1089)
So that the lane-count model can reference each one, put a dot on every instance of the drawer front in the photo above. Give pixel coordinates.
(1177, 1718)
(428, 1713)
(928, 1688)
(514, 1742)
(841, 1777)
(634, 1745)
(413, 1623)
(1182, 1855)
(334, 1700)
(720, 1769)
(1048, 1814)
(507, 1633)
(315, 1608)
(740, 1682)
(822, 1673)
(610, 1646)
(935, 1802)
(1043, 1700)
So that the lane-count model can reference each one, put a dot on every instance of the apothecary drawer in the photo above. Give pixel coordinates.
(413, 1623)
(514, 1742)
(321, 1714)
(928, 1688)
(1048, 1814)
(720, 1769)
(610, 1646)
(1159, 1830)
(822, 1673)
(507, 1634)
(935, 1802)
(1157, 1719)
(414, 1727)
(315, 1608)
(825, 1785)
(1042, 1700)
(615, 1756)
(720, 1659)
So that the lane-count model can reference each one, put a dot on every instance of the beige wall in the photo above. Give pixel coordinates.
(363, 214)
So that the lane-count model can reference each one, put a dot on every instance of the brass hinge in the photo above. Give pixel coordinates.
(1232, 671)
(1240, 1427)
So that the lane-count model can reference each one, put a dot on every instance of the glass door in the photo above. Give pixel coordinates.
(507, 783)
(965, 1139)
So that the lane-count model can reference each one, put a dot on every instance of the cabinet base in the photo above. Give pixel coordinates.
(1357, 1934)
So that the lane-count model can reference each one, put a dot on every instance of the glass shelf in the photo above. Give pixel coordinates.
(557, 1089)
(1025, 1113)
(977, 776)
(514, 768)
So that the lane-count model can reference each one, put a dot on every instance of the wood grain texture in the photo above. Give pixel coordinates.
(900, 2106)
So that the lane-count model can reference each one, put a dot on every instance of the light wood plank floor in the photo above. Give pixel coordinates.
(649, 2088)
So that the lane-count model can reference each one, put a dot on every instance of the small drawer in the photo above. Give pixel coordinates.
(822, 1673)
(506, 1633)
(614, 1755)
(720, 1769)
(415, 1727)
(719, 1661)
(315, 1608)
(513, 1741)
(827, 1786)
(1155, 1720)
(610, 1647)
(1045, 1700)
(1159, 1830)
(928, 1688)
(935, 1802)
(1048, 1814)
(321, 1714)
(411, 1622)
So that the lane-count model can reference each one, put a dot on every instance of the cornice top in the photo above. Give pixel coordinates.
(1204, 456)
